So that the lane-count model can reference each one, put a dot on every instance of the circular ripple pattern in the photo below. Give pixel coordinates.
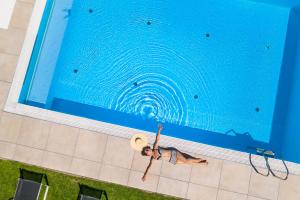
(153, 79)
(156, 97)
(154, 82)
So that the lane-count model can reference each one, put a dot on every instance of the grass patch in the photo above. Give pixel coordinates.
(65, 187)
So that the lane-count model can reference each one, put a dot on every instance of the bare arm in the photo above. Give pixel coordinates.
(155, 145)
(145, 174)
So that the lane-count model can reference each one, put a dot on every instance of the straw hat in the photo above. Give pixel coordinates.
(138, 141)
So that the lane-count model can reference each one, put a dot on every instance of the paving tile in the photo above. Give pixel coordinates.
(207, 174)
(263, 187)
(226, 195)
(172, 187)
(85, 168)
(135, 180)
(57, 161)
(140, 163)
(21, 15)
(114, 174)
(10, 126)
(28, 155)
(254, 198)
(290, 189)
(4, 89)
(90, 145)
(198, 192)
(235, 177)
(62, 139)
(11, 40)
(34, 133)
(118, 152)
(8, 65)
(7, 150)
(180, 171)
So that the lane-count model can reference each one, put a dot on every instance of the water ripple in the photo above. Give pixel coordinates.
(166, 84)
(155, 97)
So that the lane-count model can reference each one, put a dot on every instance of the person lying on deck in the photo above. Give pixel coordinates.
(170, 154)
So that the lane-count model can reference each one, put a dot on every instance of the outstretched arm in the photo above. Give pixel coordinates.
(145, 174)
(155, 145)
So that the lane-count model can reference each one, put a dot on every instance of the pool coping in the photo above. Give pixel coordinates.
(13, 106)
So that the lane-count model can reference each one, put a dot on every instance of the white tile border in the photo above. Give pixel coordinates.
(13, 106)
(6, 11)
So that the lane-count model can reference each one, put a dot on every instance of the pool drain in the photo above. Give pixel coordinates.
(195, 96)
(135, 83)
(257, 109)
(90, 10)
(148, 23)
(207, 35)
(75, 71)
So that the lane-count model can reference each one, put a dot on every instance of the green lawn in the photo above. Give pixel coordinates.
(66, 187)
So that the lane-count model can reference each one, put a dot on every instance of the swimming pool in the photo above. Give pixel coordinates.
(225, 74)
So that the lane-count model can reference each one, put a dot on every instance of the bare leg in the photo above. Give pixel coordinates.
(182, 158)
(196, 160)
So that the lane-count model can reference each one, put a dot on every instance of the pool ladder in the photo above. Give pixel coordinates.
(268, 154)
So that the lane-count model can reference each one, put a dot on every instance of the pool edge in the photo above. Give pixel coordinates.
(13, 106)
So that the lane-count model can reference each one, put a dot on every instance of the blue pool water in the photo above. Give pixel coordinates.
(224, 73)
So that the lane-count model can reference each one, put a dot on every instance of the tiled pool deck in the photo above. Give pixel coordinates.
(104, 157)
